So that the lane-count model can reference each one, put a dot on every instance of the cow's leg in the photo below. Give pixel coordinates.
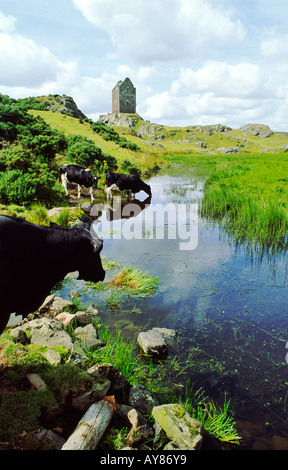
(64, 182)
(91, 194)
(108, 190)
(79, 190)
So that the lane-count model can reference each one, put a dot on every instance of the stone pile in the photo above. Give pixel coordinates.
(109, 398)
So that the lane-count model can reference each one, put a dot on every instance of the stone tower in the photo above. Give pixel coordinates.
(124, 97)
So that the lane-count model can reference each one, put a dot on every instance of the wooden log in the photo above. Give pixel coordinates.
(91, 427)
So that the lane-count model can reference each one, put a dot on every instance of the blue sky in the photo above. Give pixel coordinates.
(192, 61)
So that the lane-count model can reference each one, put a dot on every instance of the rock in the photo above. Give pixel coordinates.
(83, 318)
(48, 332)
(258, 130)
(19, 335)
(152, 343)
(46, 304)
(119, 385)
(36, 382)
(73, 293)
(86, 206)
(53, 357)
(50, 437)
(140, 431)
(141, 399)
(175, 446)
(77, 355)
(65, 318)
(179, 426)
(166, 332)
(88, 336)
(59, 305)
(98, 391)
(120, 119)
(226, 150)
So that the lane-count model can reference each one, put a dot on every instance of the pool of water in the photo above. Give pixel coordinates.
(229, 308)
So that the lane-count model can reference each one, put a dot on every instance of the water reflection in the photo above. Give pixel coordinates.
(230, 312)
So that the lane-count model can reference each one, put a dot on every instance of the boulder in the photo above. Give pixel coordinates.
(257, 130)
(98, 391)
(87, 336)
(166, 332)
(140, 431)
(119, 385)
(65, 318)
(227, 150)
(19, 335)
(50, 437)
(83, 318)
(36, 381)
(59, 305)
(48, 332)
(152, 343)
(141, 399)
(53, 357)
(46, 304)
(184, 431)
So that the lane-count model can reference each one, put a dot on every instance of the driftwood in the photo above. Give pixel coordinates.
(91, 427)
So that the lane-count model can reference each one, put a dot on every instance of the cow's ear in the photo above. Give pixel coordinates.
(86, 222)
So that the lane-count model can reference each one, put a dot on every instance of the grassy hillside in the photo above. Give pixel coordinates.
(145, 159)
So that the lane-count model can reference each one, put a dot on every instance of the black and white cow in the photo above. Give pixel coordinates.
(78, 174)
(34, 258)
(123, 182)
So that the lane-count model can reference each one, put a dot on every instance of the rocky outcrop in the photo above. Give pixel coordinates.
(227, 150)
(120, 119)
(65, 105)
(257, 130)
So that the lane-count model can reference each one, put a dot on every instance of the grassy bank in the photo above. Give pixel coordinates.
(249, 194)
(246, 193)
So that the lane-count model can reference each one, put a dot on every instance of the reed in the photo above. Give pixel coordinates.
(249, 195)
(218, 422)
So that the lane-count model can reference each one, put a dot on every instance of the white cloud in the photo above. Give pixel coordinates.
(275, 47)
(218, 92)
(24, 63)
(242, 80)
(147, 31)
(29, 69)
(7, 23)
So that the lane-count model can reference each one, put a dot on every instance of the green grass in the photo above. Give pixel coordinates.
(145, 159)
(135, 282)
(249, 195)
(218, 422)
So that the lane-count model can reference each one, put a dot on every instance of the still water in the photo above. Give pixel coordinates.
(228, 307)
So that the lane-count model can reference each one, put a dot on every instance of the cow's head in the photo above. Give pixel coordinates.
(94, 182)
(89, 262)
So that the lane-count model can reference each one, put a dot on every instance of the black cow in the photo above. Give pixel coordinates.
(123, 182)
(79, 175)
(34, 258)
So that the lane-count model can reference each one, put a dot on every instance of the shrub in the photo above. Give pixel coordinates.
(130, 168)
(85, 153)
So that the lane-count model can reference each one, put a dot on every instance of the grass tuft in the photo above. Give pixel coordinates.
(135, 282)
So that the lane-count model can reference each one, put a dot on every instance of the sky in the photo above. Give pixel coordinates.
(193, 62)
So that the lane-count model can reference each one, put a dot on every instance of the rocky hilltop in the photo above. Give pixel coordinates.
(56, 103)
(211, 139)
(215, 138)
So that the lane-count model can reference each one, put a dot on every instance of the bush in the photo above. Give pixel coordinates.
(130, 168)
(85, 153)
(25, 188)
